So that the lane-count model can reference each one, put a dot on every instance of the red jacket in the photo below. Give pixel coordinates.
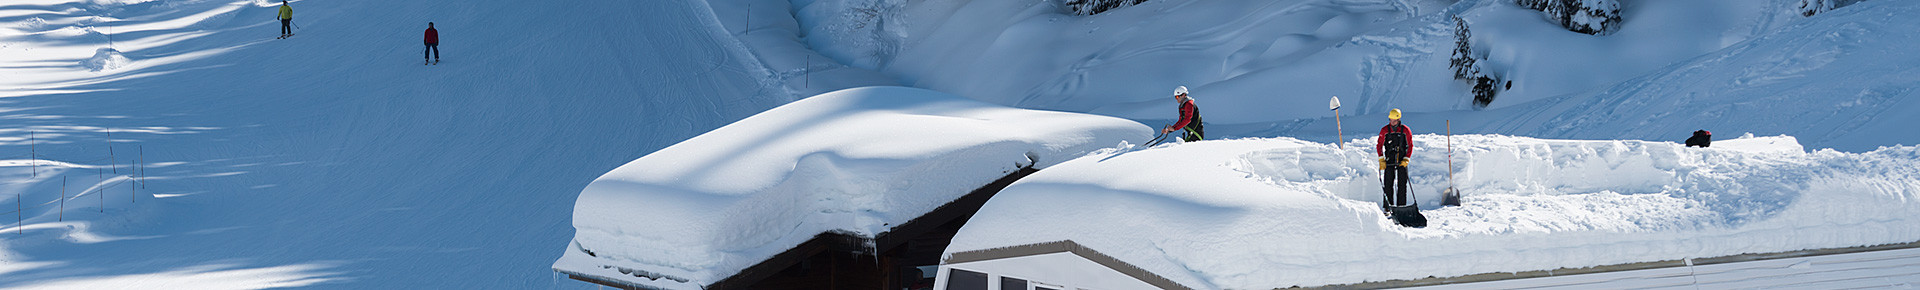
(1186, 113)
(433, 36)
(1382, 140)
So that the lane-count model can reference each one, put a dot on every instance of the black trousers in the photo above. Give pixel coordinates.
(1394, 186)
(433, 49)
(286, 26)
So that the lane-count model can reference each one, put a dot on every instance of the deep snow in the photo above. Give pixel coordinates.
(333, 159)
(1275, 213)
(856, 162)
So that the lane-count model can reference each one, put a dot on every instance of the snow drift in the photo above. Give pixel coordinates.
(854, 161)
(1266, 213)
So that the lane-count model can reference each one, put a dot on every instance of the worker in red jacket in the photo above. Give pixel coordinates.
(1189, 117)
(433, 44)
(1395, 148)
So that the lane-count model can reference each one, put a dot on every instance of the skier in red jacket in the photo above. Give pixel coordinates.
(1395, 148)
(433, 44)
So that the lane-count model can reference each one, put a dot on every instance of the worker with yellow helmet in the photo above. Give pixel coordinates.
(1395, 148)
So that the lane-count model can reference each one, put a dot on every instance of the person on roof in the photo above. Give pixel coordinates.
(1189, 117)
(433, 44)
(1395, 148)
(286, 19)
(1701, 138)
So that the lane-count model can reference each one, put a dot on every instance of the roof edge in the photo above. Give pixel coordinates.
(1067, 246)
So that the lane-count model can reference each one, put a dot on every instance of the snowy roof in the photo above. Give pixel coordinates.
(1265, 213)
(856, 161)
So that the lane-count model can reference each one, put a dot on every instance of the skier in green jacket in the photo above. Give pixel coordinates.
(286, 19)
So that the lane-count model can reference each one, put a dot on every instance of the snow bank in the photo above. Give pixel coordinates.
(855, 161)
(105, 59)
(1265, 213)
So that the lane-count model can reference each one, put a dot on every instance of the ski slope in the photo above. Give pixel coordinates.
(334, 159)
(1276, 213)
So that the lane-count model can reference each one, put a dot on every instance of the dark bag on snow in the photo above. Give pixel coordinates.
(1408, 216)
(1701, 138)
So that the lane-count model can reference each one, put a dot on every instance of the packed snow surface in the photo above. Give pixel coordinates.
(335, 159)
(1280, 212)
(855, 161)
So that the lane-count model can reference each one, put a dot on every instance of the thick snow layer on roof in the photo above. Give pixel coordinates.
(855, 161)
(1265, 213)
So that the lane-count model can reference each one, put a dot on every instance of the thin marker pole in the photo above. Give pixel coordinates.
(63, 198)
(1449, 153)
(110, 160)
(33, 155)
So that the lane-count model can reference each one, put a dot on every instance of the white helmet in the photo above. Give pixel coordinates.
(1182, 90)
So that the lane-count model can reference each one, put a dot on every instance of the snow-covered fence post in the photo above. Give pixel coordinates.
(1340, 134)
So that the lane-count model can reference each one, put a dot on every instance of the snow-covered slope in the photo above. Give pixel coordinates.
(1837, 80)
(1265, 68)
(855, 161)
(1259, 61)
(334, 158)
(1267, 213)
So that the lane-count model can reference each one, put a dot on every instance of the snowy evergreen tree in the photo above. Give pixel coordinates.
(1484, 89)
(1463, 59)
(1091, 7)
(1466, 65)
(1809, 8)
(1595, 17)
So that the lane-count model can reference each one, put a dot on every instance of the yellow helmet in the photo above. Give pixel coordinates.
(1394, 114)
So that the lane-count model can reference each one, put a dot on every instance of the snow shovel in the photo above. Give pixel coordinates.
(1450, 197)
(1407, 215)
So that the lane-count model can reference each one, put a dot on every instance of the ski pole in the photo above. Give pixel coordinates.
(296, 25)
